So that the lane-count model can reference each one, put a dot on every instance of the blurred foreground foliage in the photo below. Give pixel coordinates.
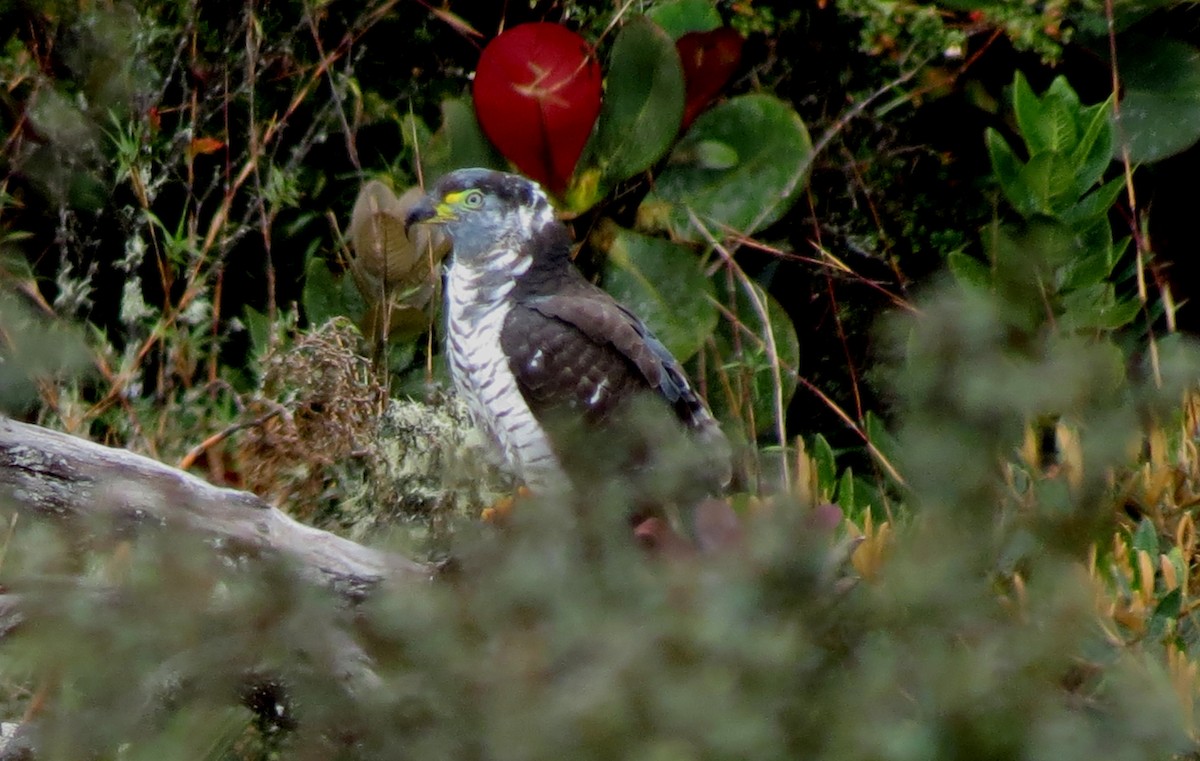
(1010, 609)
(988, 551)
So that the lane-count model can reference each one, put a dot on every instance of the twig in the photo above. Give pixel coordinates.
(189, 459)
(768, 338)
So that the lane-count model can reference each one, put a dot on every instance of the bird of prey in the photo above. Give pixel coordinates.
(529, 337)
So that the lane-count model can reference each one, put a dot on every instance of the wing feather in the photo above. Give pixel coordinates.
(583, 350)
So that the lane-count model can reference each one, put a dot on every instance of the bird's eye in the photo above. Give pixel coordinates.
(473, 200)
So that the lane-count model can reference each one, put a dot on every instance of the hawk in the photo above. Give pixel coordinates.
(529, 337)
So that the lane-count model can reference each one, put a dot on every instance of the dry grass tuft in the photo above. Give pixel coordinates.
(318, 407)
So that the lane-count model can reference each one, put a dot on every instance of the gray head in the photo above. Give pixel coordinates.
(481, 210)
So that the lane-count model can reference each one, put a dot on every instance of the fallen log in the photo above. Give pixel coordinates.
(54, 475)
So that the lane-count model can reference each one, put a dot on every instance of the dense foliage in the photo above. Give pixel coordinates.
(925, 261)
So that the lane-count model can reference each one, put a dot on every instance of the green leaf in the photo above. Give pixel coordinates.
(1025, 264)
(968, 5)
(1027, 108)
(1145, 538)
(822, 455)
(1160, 113)
(1177, 561)
(1170, 604)
(1097, 308)
(1047, 124)
(969, 271)
(1045, 185)
(259, 328)
(881, 439)
(845, 492)
(713, 154)
(743, 364)
(415, 133)
(1093, 23)
(1005, 165)
(1061, 110)
(1088, 270)
(642, 110)
(683, 16)
(1095, 205)
(773, 152)
(1093, 153)
(326, 296)
(867, 498)
(458, 143)
(663, 283)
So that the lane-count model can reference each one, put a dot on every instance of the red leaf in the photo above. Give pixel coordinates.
(537, 95)
(709, 59)
(204, 146)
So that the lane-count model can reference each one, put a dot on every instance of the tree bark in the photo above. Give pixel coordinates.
(54, 475)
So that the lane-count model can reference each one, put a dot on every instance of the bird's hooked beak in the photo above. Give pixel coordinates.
(430, 211)
(424, 211)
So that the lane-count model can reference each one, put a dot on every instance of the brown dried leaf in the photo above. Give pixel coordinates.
(384, 257)
(397, 276)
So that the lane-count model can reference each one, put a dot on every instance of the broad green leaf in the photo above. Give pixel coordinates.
(741, 379)
(458, 142)
(1126, 13)
(969, 270)
(641, 113)
(713, 154)
(1160, 113)
(683, 16)
(773, 153)
(663, 283)
(1093, 22)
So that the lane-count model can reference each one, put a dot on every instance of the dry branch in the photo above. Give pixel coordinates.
(55, 475)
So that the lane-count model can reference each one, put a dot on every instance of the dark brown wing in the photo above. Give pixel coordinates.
(558, 365)
(582, 350)
(594, 353)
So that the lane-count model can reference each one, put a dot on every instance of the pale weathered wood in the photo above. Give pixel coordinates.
(55, 475)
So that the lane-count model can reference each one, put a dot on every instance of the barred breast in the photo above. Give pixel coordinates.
(476, 308)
